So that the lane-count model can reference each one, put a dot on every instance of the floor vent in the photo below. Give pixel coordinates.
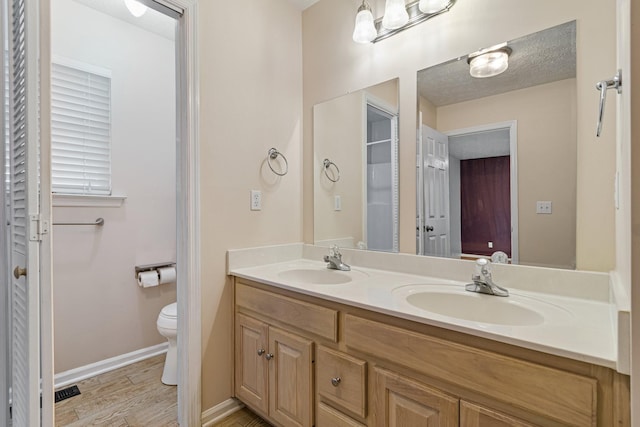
(66, 393)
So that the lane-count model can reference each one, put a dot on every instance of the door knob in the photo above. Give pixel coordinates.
(269, 356)
(428, 228)
(19, 271)
(260, 352)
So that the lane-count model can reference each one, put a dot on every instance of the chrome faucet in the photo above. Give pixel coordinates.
(483, 282)
(335, 259)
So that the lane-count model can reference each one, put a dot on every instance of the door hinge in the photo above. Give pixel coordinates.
(37, 227)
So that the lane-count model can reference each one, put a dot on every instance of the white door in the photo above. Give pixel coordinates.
(24, 214)
(435, 152)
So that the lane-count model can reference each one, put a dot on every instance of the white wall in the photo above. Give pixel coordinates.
(99, 310)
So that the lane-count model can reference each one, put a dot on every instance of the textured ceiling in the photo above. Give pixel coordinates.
(542, 57)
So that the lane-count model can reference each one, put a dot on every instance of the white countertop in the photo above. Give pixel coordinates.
(576, 328)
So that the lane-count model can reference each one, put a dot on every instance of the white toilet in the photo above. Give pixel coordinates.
(168, 328)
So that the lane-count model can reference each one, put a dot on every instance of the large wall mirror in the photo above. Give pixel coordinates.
(355, 141)
(498, 169)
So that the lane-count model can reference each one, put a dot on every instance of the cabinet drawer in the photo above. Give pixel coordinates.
(562, 396)
(342, 380)
(312, 318)
(329, 417)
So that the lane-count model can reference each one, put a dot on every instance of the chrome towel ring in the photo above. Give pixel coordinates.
(272, 155)
(334, 177)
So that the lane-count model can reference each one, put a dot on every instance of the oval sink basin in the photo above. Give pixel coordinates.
(319, 276)
(456, 302)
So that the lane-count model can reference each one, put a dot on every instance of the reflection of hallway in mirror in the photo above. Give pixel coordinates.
(485, 205)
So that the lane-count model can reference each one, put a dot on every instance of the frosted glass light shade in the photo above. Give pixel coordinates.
(395, 14)
(136, 8)
(365, 30)
(489, 64)
(432, 6)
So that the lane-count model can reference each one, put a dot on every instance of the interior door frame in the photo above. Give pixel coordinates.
(188, 216)
(188, 204)
(512, 126)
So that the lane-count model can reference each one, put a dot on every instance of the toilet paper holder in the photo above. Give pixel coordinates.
(151, 267)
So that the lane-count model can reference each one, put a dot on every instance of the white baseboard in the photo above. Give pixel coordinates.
(220, 411)
(83, 372)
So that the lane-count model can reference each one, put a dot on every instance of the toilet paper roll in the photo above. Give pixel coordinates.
(147, 279)
(167, 275)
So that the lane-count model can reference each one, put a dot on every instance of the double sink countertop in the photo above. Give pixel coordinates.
(562, 324)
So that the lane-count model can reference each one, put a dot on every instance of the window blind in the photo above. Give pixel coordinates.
(80, 131)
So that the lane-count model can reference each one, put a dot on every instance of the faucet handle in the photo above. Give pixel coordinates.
(483, 268)
(334, 251)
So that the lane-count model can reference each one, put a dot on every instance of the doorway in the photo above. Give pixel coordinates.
(483, 190)
(113, 151)
(38, 260)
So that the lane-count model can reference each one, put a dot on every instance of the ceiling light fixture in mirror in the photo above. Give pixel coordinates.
(397, 17)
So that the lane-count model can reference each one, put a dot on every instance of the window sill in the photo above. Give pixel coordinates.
(76, 200)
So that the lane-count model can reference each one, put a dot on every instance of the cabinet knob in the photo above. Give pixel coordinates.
(260, 352)
(336, 381)
(269, 356)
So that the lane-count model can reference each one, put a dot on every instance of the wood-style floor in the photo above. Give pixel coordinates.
(242, 418)
(129, 396)
(134, 396)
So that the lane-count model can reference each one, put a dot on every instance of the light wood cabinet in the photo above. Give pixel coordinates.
(402, 402)
(273, 372)
(397, 373)
(472, 415)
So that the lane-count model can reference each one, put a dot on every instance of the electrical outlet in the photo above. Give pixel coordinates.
(256, 200)
(543, 207)
(490, 244)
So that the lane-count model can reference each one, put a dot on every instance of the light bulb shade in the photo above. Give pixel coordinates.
(432, 6)
(395, 14)
(364, 30)
(489, 64)
(136, 8)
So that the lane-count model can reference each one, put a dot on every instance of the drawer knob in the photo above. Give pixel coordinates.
(269, 356)
(336, 381)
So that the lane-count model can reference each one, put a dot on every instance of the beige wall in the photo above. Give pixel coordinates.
(546, 120)
(335, 65)
(100, 312)
(250, 100)
(429, 112)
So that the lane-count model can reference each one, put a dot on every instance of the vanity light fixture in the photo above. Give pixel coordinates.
(136, 8)
(395, 14)
(432, 6)
(364, 30)
(489, 62)
(398, 16)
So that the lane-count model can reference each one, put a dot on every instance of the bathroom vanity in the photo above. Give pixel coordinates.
(328, 348)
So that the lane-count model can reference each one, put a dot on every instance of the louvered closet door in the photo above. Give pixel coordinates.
(24, 206)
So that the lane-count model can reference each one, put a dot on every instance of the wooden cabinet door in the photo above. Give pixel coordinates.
(252, 369)
(472, 415)
(402, 402)
(290, 379)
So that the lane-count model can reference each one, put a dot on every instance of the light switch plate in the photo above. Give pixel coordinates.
(337, 203)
